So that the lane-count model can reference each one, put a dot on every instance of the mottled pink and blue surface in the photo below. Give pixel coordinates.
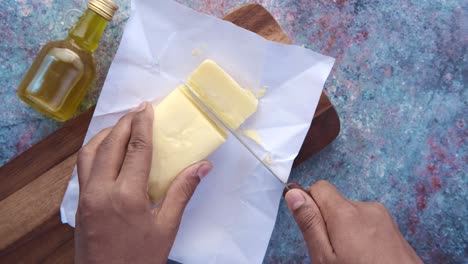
(398, 85)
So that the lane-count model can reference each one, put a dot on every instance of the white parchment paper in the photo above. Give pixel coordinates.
(232, 214)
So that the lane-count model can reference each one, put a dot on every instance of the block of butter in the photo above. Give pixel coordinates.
(183, 134)
(223, 94)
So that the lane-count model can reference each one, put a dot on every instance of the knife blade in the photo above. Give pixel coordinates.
(231, 131)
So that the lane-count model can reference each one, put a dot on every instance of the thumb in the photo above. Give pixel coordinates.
(310, 221)
(169, 213)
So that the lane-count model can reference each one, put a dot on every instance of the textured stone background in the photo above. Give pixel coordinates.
(398, 85)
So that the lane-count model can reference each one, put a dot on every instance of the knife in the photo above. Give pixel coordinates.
(233, 132)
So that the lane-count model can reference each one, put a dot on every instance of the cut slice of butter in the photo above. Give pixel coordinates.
(182, 135)
(253, 135)
(262, 92)
(223, 94)
(267, 159)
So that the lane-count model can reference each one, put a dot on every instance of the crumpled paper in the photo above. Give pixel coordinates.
(232, 214)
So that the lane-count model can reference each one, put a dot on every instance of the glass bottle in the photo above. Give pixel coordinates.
(63, 70)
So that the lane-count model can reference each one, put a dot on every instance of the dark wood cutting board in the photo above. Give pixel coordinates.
(32, 185)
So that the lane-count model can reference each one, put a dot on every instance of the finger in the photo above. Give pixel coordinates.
(86, 156)
(169, 213)
(137, 163)
(327, 198)
(111, 151)
(312, 225)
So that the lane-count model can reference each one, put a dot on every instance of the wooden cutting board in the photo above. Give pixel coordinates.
(32, 185)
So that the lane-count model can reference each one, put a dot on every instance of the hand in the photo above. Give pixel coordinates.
(114, 221)
(338, 230)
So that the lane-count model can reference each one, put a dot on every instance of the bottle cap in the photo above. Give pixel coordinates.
(104, 8)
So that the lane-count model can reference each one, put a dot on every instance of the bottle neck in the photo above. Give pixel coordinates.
(88, 30)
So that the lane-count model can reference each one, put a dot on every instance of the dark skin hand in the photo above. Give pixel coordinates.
(338, 230)
(114, 221)
(116, 224)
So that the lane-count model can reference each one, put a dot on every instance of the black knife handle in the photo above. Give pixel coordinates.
(294, 185)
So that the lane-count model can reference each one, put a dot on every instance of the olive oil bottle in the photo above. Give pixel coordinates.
(63, 70)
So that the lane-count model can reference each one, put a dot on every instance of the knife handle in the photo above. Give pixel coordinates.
(294, 185)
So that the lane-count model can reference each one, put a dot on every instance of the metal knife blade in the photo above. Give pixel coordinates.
(221, 123)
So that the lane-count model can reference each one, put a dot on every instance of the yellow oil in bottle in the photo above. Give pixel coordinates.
(63, 70)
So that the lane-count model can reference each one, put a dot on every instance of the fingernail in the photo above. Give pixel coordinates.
(294, 199)
(203, 170)
(140, 108)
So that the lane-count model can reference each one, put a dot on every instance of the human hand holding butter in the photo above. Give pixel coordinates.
(114, 221)
(152, 156)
